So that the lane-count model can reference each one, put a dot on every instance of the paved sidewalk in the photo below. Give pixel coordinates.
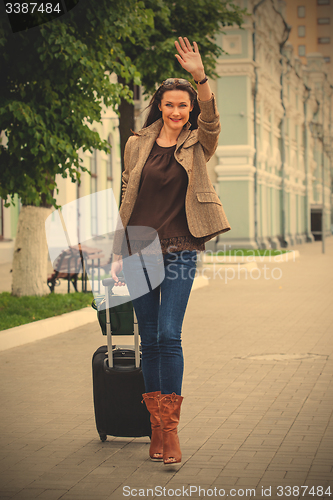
(257, 410)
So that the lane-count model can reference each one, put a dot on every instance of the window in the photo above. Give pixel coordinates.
(301, 50)
(109, 169)
(301, 11)
(93, 189)
(323, 2)
(323, 20)
(301, 30)
(324, 39)
(327, 59)
(93, 171)
(136, 93)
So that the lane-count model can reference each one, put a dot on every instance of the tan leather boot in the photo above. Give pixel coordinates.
(170, 414)
(152, 400)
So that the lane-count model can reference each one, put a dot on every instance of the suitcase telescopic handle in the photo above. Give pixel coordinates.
(108, 320)
(109, 282)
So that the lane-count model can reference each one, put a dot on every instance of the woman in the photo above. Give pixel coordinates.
(166, 187)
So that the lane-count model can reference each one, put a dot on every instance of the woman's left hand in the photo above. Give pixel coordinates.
(189, 60)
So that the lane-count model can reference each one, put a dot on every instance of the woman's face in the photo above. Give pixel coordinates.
(175, 106)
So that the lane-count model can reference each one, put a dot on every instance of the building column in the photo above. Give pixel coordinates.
(235, 178)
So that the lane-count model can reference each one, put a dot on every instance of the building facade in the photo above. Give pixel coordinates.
(269, 158)
(311, 22)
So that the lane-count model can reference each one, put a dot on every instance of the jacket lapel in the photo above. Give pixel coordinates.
(147, 139)
(183, 135)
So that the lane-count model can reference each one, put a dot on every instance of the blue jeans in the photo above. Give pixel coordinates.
(160, 315)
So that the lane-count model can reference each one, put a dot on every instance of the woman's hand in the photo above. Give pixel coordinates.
(189, 60)
(116, 267)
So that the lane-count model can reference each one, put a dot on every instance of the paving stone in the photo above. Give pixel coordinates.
(247, 420)
(29, 494)
(50, 495)
(6, 494)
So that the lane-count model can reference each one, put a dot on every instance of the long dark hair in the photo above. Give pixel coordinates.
(154, 112)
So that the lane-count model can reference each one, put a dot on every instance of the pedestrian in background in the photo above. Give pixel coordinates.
(166, 187)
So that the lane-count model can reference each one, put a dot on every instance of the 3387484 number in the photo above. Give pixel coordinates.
(31, 7)
(296, 491)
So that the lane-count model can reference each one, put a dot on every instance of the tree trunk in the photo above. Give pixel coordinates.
(30, 252)
(126, 122)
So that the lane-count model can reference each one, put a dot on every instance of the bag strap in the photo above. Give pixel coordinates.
(116, 315)
(109, 282)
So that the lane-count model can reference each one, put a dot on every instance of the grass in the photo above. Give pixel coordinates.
(249, 252)
(15, 311)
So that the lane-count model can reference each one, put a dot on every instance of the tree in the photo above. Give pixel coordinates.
(154, 58)
(55, 80)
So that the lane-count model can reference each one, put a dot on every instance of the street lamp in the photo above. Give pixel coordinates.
(317, 130)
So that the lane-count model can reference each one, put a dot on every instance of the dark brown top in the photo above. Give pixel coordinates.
(160, 203)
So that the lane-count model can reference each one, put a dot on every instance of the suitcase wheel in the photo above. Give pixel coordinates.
(103, 437)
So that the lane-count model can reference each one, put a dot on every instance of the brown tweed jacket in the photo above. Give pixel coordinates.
(204, 211)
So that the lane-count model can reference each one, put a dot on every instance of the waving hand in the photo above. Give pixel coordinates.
(191, 61)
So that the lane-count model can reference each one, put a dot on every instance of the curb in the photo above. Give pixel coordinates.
(241, 259)
(38, 330)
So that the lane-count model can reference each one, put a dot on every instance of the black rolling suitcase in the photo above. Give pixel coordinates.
(117, 376)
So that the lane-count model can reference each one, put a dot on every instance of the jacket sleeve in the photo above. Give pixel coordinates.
(209, 126)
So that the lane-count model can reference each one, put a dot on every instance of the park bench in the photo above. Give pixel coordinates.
(67, 266)
(75, 260)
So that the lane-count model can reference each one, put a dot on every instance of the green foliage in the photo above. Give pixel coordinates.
(54, 81)
(16, 311)
(201, 21)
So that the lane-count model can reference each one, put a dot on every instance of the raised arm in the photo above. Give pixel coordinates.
(191, 61)
(208, 121)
